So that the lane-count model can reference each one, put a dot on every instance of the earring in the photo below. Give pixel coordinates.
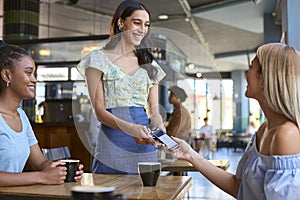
(7, 84)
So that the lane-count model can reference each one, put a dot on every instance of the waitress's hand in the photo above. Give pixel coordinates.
(184, 152)
(142, 135)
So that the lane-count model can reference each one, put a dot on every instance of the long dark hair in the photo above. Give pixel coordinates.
(9, 54)
(142, 51)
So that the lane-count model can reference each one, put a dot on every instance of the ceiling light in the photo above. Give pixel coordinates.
(44, 52)
(198, 74)
(163, 17)
(187, 19)
(191, 66)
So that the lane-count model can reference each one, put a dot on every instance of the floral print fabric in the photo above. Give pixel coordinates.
(120, 89)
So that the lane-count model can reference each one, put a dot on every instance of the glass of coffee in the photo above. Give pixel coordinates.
(149, 172)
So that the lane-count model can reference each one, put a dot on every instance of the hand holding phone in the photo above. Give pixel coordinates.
(163, 138)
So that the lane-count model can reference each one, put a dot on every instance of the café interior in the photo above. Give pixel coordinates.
(204, 46)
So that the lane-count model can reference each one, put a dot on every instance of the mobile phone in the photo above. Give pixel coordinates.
(162, 137)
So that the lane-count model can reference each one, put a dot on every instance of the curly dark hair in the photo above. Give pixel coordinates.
(9, 54)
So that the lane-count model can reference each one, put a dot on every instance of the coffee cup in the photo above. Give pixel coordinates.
(149, 172)
(87, 192)
(72, 167)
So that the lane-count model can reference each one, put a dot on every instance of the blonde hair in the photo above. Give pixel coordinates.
(280, 70)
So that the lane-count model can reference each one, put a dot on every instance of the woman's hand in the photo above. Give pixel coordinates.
(184, 152)
(54, 174)
(142, 135)
(79, 173)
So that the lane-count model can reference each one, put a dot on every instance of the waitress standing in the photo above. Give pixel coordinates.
(122, 79)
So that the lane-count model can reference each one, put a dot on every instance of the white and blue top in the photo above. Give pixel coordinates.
(268, 177)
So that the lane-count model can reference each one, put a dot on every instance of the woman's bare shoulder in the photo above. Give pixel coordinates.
(286, 140)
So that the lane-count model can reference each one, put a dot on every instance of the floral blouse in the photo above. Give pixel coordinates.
(120, 89)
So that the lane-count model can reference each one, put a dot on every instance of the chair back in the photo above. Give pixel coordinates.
(57, 153)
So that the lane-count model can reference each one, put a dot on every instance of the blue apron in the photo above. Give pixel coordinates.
(116, 151)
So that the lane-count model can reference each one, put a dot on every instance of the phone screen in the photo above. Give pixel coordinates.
(165, 139)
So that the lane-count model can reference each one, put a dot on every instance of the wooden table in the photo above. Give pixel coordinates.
(184, 166)
(168, 187)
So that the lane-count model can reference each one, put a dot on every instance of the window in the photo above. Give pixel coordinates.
(209, 98)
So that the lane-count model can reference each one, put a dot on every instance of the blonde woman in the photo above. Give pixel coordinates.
(270, 167)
